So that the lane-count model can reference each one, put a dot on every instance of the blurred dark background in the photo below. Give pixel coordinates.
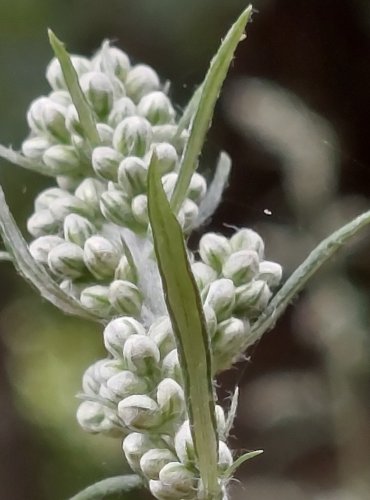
(294, 117)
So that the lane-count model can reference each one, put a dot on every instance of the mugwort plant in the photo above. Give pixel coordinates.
(109, 244)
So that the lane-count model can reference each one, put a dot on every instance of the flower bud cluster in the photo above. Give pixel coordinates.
(137, 393)
(235, 283)
(102, 188)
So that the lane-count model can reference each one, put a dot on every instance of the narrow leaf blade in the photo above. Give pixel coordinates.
(111, 486)
(31, 270)
(18, 159)
(239, 461)
(186, 313)
(84, 111)
(210, 90)
(5, 256)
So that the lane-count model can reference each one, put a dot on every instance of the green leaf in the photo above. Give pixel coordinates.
(113, 485)
(186, 312)
(84, 111)
(18, 159)
(31, 270)
(210, 90)
(5, 256)
(243, 458)
(189, 112)
(297, 281)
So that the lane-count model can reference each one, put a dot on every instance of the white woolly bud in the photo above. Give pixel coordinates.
(170, 398)
(141, 80)
(135, 445)
(91, 380)
(62, 160)
(171, 366)
(105, 133)
(72, 121)
(35, 147)
(169, 183)
(204, 274)
(139, 207)
(132, 175)
(99, 91)
(214, 250)
(247, 239)
(153, 460)
(157, 108)
(105, 162)
(54, 74)
(225, 458)
(68, 182)
(67, 260)
(68, 204)
(133, 136)
(125, 297)
(95, 298)
(270, 272)
(184, 445)
(44, 115)
(241, 266)
(101, 257)
(116, 207)
(77, 229)
(252, 298)
(211, 320)
(168, 133)
(111, 59)
(166, 155)
(118, 331)
(123, 108)
(221, 297)
(72, 288)
(139, 412)
(189, 211)
(126, 383)
(42, 223)
(220, 420)
(125, 271)
(161, 332)
(177, 479)
(61, 97)
(197, 188)
(40, 248)
(90, 191)
(92, 417)
(228, 341)
(141, 354)
(47, 196)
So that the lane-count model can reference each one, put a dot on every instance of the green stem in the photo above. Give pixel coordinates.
(319, 256)
(5, 256)
(17, 159)
(110, 486)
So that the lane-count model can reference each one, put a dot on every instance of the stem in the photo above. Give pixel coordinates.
(5, 257)
(319, 256)
(110, 486)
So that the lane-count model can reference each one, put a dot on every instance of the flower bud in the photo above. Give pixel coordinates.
(62, 160)
(77, 229)
(132, 175)
(141, 354)
(126, 383)
(179, 479)
(139, 207)
(47, 196)
(214, 250)
(54, 74)
(220, 420)
(91, 380)
(157, 108)
(221, 298)
(72, 288)
(169, 183)
(171, 366)
(189, 210)
(92, 417)
(105, 162)
(270, 272)
(118, 331)
(67, 260)
(42, 223)
(99, 92)
(228, 341)
(166, 155)
(40, 248)
(141, 80)
(125, 271)
(135, 445)
(35, 147)
(105, 133)
(61, 97)
(184, 445)
(170, 398)
(247, 239)
(122, 109)
(252, 298)
(125, 297)
(139, 412)
(95, 299)
(112, 60)
(211, 320)
(116, 207)
(90, 191)
(197, 188)
(101, 257)
(44, 115)
(204, 275)
(168, 133)
(133, 136)
(225, 458)
(153, 460)
(68, 204)
(161, 332)
(241, 266)
(72, 121)
(68, 182)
